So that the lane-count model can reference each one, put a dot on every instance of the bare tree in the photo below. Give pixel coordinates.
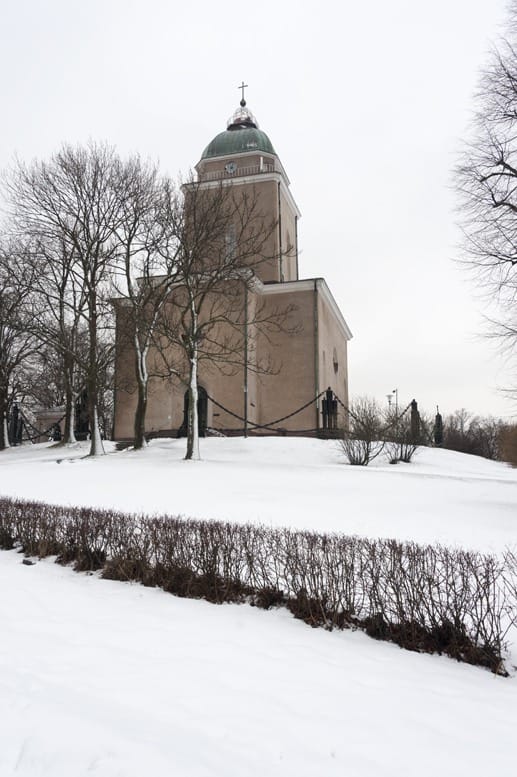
(99, 224)
(400, 443)
(222, 239)
(17, 343)
(467, 433)
(486, 179)
(147, 268)
(59, 301)
(73, 201)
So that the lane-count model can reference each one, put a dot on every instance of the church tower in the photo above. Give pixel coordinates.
(305, 356)
(244, 155)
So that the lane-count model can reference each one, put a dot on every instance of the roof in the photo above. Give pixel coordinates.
(238, 141)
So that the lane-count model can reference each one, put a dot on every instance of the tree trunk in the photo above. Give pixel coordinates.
(193, 422)
(4, 436)
(96, 446)
(141, 403)
(139, 428)
(69, 431)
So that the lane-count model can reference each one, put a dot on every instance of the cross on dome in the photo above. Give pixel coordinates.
(243, 117)
(242, 87)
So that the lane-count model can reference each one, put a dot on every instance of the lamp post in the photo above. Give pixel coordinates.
(396, 393)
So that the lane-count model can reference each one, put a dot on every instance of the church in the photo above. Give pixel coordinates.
(299, 396)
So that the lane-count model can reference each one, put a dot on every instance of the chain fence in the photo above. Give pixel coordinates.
(247, 424)
(37, 433)
(269, 426)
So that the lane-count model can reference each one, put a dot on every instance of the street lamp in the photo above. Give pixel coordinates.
(396, 393)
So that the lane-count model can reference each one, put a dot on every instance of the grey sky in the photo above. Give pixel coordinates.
(365, 103)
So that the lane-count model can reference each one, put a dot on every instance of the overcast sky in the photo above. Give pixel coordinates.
(366, 105)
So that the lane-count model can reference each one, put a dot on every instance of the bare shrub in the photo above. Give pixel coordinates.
(402, 433)
(424, 598)
(510, 585)
(399, 442)
(362, 442)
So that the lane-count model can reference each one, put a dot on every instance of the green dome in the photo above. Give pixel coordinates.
(242, 135)
(238, 141)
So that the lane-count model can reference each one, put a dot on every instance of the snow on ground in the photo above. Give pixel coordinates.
(116, 680)
(441, 496)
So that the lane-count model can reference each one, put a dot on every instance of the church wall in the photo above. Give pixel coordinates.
(165, 404)
(125, 396)
(262, 198)
(332, 353)
(290, 384)
(288, 229)
(275, 207)
(228, 391)
(293, 355)
(165, 409)
(160, 411)
(227, 385)
(252, 376)
(268, 270)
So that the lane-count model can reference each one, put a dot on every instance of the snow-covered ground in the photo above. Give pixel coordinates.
(117, 680)
(441, 496)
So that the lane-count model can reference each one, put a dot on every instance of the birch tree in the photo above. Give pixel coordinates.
(147, 268)
(222, 237)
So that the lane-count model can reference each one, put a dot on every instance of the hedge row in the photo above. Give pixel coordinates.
(427, 598)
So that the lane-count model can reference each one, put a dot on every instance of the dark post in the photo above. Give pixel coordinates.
(329, 410)
(19, 430)
(12, 432)
(415, 422)
(438, 429)
(334, 413)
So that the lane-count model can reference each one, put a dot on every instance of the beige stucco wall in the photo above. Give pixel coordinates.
(289, 265)
(291, 382)
(273, 204)
(296, 364)
(332, 353)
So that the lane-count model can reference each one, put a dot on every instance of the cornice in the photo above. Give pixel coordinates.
(252, 179)
(307, 284)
